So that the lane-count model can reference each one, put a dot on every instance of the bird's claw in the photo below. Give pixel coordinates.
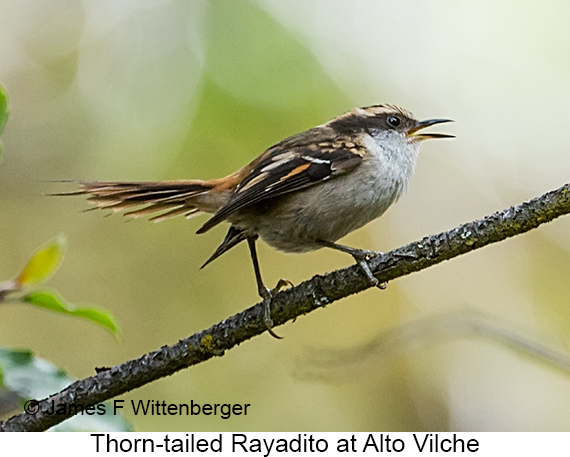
(280, 284)
(267, 295)
(362, 257)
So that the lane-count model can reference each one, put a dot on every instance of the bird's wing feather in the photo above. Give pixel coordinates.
(280, 171)
(233, 238)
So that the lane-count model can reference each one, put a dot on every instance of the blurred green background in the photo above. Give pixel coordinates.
(156, 90)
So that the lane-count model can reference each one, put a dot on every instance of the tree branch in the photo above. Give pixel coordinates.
(289, 304)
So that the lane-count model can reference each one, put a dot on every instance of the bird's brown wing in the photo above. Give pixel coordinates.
(280, 171)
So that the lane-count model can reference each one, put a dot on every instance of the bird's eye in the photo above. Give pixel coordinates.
(393, 121)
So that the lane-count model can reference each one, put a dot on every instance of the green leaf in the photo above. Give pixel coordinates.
(3, 112)
(30, 377)
(43, 264)
(53, 301)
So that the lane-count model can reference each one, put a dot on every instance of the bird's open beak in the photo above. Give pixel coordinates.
(424, 136)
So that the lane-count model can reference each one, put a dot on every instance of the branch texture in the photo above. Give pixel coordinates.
(289, 304)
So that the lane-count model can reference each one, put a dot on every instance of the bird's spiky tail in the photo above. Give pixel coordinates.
(167, 199)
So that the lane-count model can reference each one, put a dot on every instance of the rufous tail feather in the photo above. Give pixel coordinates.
(163, 199)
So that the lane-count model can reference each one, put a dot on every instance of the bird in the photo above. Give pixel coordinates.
(301, 194)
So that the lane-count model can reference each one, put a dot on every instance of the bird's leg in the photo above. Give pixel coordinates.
(361, 257)
(265, 293)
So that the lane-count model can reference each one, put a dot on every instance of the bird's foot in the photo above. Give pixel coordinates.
(267, 295)
(280, 284)
(362, 257)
